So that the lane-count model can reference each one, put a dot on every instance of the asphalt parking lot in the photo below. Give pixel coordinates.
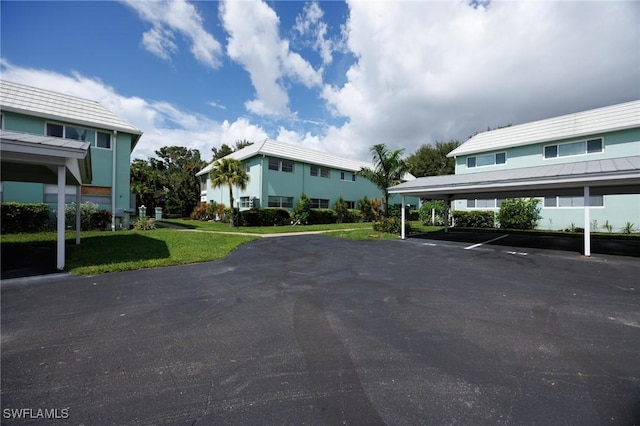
(320, 330)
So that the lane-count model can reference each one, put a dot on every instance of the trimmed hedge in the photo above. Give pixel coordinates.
(474, 218)
(24, 217)
(265, 217)
(322, 216)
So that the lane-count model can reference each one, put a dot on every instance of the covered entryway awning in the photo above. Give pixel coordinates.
(594, 177)
(27, 157)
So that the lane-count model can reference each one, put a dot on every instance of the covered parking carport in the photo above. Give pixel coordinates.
(594, 177)
(27, 157)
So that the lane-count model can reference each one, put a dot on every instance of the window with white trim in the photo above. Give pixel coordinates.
(282, 202)
(485, 203)
(568, 201)
(487, 160)
(348, 176)
(319, 171)
(245, 203)
(319, 203)
(94, 137)
(590, 146)
(279, 165)
(351, 204)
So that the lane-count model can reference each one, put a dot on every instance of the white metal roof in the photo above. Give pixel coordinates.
(50, 105)
(286, 151)
(592, 122)
(26, 157)
(610, 176)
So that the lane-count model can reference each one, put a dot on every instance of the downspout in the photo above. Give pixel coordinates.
(261, 173)
(113, 180)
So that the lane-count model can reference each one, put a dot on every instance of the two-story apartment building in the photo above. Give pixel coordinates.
(26, 110)
(584, 167)
(280, 173)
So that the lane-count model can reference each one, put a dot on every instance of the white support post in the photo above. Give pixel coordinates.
(61, 214)
(587, 223)
(402, 208)
(447, 205)
(78, 202)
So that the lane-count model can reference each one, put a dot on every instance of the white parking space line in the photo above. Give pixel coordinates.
(486, 242)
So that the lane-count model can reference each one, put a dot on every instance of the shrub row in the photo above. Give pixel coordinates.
(265, 217)
(37, 217)
(391, 225)
(474, 218)
(21, 217)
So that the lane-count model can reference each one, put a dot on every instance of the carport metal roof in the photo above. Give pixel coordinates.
(595, 177)
(609, 176)
(35, 158)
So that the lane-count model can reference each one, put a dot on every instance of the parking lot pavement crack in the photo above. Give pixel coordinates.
(339, 395)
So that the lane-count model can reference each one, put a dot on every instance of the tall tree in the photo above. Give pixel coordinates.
(225, 149)
(389, 168)
(180, 166)
(432, 160)
(168, 181)
(230, 172)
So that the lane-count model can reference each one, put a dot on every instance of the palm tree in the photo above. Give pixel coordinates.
(389, 169)
(231, 172)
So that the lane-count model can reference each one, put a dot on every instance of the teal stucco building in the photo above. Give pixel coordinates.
(598, 136)
(26, 110)
(280, 173)
(583, 167)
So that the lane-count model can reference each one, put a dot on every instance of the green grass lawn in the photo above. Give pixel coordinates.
(101, 252)
(104, 251)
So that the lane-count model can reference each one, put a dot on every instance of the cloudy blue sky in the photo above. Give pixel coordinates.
(334, 76)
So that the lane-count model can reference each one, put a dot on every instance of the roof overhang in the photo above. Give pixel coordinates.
(27, 157)
(613, 176)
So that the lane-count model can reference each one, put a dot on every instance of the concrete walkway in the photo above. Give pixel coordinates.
(251, 234)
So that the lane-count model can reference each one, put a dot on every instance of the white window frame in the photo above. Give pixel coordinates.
(497, 202)
(271, 201)
(93, 143)
(320, 171)
(344, 174)
(495, 161)
(574, 197)
(281, 163)
(110, 140)
(586, 148)
(319, 203)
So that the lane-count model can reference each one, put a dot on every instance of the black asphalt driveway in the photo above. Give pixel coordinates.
(323, 331)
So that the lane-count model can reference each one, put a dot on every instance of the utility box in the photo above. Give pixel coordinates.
(158, 213)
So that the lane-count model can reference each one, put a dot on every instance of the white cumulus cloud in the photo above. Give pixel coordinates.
(254, 42)
(176, 16)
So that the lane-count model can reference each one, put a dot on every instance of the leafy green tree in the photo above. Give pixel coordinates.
(146, 184)
(168, 181)
(302, 209)
(433, 206)
(230, 172)
(341, 209)
(432, 160)
(178, 167)
(519, 213)
(389, 168)
(225, 149)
